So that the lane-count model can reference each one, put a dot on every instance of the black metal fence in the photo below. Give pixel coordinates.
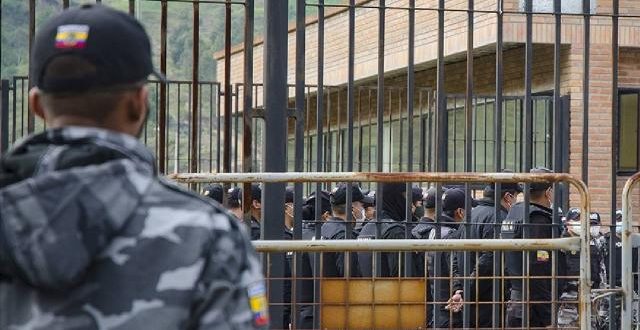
(223, 127)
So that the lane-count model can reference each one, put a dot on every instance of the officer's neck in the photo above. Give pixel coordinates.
(543, 201)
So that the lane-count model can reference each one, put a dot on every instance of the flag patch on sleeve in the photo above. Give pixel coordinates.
(258, 304)
(72, 36)
(542, 256)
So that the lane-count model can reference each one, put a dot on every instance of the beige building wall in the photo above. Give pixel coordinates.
(572, 64)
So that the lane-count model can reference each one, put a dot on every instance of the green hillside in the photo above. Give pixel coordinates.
(15, 23)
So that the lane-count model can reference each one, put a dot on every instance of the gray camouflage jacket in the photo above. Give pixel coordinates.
(91, 238)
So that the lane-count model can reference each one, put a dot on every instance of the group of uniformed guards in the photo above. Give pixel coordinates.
(527, 291)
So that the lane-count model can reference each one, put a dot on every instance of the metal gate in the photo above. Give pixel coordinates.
(274, 259)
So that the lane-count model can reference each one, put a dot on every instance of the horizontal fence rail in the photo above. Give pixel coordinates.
(401, 245)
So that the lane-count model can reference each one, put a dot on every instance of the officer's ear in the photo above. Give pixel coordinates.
(35, 103)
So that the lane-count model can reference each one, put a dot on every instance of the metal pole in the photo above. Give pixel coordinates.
(299, 149)
(319, 158)
(468, 166)
(195, 84)
(528, 149)
(380, 125)
(65, 4)
(557, 147)
(627, 253)
(411, 88)
(228, 95)
(628, 295)
(496, 317)
(32, 33)
(247, 135)
(441, 147)
(351, 104)
(162, 111)
(275, 105)
(586, 8)
(4, 116)
(132, 7)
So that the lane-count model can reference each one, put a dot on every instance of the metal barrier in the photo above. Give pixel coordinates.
(630, 240)
(576, 244)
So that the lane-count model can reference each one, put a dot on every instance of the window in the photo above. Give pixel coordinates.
(628, 131)
(566, 6)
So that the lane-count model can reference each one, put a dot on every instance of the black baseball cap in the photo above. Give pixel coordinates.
(454, 199)
(214, 191)
(112, 44)
(490, 188)
(416, 194)
(540, 186)
(236, 193)
(288, 194)
(430, 198)
(369, 199)
(573, 214)
(339, 195)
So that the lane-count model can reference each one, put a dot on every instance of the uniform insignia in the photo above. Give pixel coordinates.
(507, 226)
(258, 304)
(72, 36)
(542, 255)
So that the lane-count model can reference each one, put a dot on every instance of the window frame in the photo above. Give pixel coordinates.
(618, 131)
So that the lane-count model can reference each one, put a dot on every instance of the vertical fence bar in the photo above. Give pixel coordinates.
(411, 88)
(380, 117)
(247, 123)
(615, 57)
(468, 165)
(526, 135)
(193, 152)
(275, 105)
(228, 99)
(351, 104)
(299, 148)
(556, 165)
(4, 116)
(32, 33)
(441, 144)
(319, 155)
(132, 7)
(586, 9)
(65, 4)
(496, 310)
(1, 42)
(162, 111)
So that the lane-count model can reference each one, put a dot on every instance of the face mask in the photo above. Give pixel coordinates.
(574, 228)
(595, 231)
(619, 228)
(419, 212)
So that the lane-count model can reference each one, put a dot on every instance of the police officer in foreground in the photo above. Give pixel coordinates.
(540, 261)
(392, 221)
(485, 224)
(92, 238)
